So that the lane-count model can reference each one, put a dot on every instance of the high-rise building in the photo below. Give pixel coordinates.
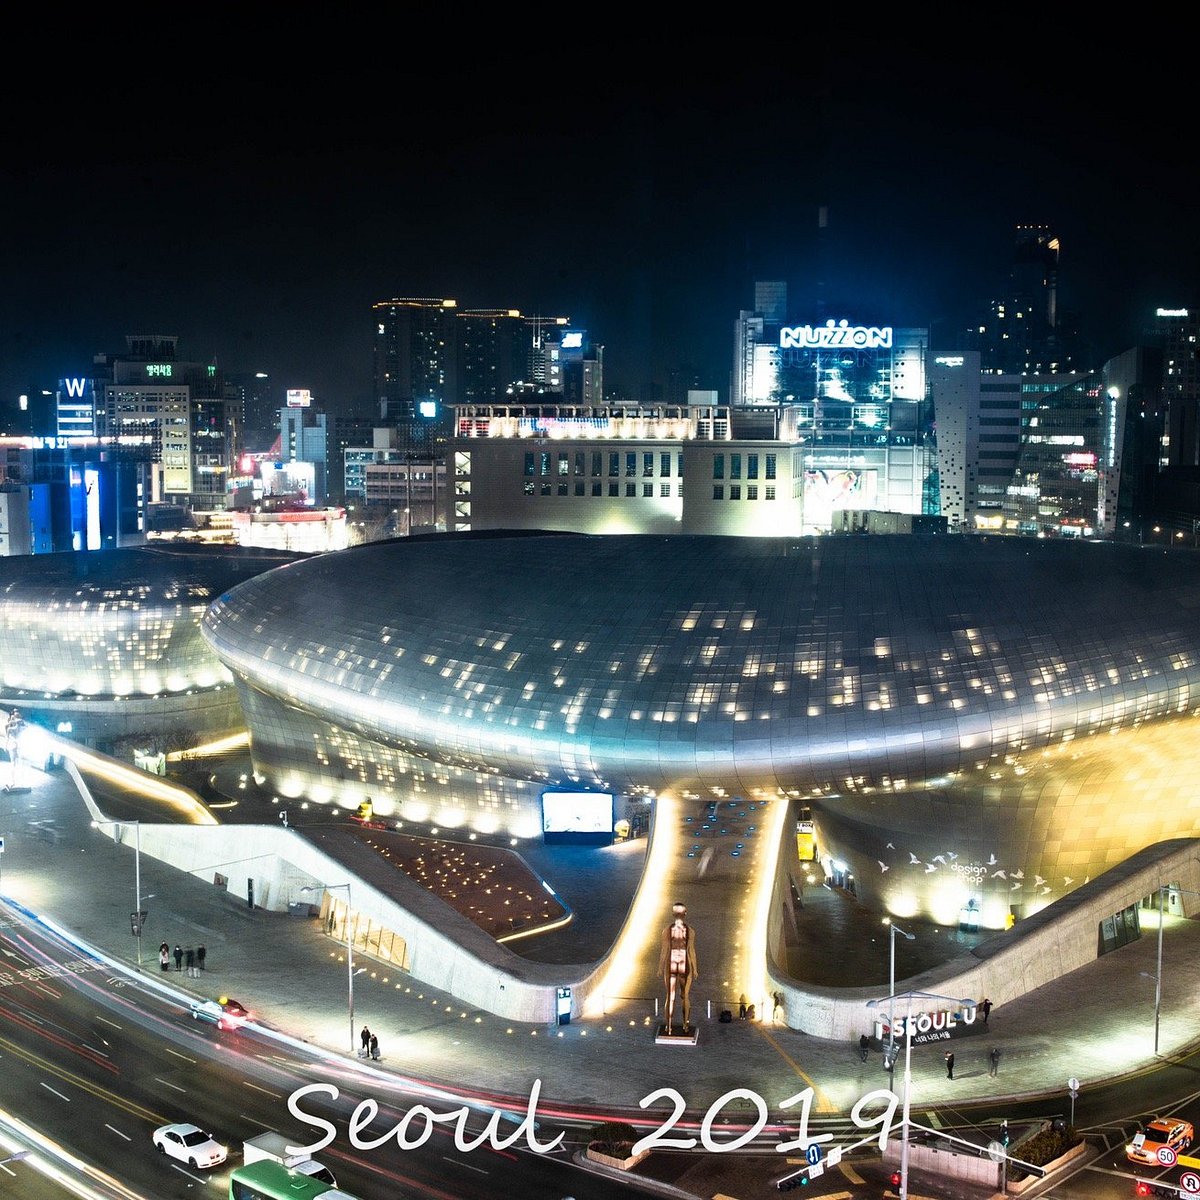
(1026, 329)
(415, 355)
(1178, 332)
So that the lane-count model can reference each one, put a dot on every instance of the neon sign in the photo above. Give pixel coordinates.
(949, 360)
(158, 370)
(834, 334)
(75, 387)
(1171, 312)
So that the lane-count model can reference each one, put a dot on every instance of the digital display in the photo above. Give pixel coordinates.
(578, 817)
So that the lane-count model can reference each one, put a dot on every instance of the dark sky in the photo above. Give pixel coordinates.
(255, 199)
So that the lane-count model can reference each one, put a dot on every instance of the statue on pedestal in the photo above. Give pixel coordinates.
(677, 965)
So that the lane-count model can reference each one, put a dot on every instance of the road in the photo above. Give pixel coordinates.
(95, 1061)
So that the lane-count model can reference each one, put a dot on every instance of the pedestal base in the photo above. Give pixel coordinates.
(677, 1036)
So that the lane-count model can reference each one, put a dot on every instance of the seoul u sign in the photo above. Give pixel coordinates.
(834, 334)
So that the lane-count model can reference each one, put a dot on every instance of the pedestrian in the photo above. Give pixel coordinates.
(993, 1060)
(864, 1044)
(190, 958)
(365, 1038)
(200, 953)
(179, 958)
(374, 1047)
(164, 956)
(949, 1065)
(986, 1009)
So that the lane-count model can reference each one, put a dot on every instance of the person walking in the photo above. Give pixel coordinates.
(864, 1044)
(365, 1038)
(949, 1064)
(179, 958)
(986, 1009)
(164, 956)
(190, 959)
(200, 955)
(374, 1047)
(993, 1060)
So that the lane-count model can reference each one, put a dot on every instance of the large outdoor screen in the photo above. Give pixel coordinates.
(577, 817)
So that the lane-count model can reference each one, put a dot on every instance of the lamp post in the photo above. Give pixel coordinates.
(137, 878)
(893, 929)
(910, 997)
(16, 1156)
(349, 951)
(1162, 893)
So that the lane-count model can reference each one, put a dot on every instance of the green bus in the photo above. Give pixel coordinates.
(268, 1180)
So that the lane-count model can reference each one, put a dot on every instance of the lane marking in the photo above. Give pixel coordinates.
(108, 1022)
(932, 1118)
(824, 1104)
(198, 1179)
(465, 1166)
(93, 1049)
(119, 1133)
(170, 1085)
(265, 1091)
(178, 1055)
(57, 1093)
(851, 1174)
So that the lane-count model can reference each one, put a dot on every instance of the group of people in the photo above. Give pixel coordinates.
(194, 958)
(370, 1044)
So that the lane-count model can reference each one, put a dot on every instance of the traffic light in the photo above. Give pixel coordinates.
(1141, 1188)
(792, 1181)
(895, 1179)
(1004, 1132)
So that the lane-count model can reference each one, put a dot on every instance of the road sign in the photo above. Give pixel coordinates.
(1189, 1182)
(1166, 1156)
(813, 1153)
(834, 1156)
(996, 1152)
(819, 1169)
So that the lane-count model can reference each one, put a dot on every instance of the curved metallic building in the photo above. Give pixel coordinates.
(110, 640)
(964, 715)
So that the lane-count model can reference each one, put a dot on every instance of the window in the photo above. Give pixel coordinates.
(679, 464)
(580, 461)
(770, 466)
(631, 463)
(614, 463)
(770, 492)
(752, 491)
(751, 466)
(647, 489)
(735, 466)
(631, 489)
(545, 487)
(579, 487)
(664, 489)
(562, 488)
(718, 491)
(595, 487)
(648, 464)
(718, 466)
(664, 468)
(545, 462)
(597, 461)
(564, 464)
(529, 487)
(614, 489)
(735, 491)
(529, 462)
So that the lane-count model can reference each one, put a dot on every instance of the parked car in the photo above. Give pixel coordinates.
(224, 1012)
(1162, 1132)
(189, 1144)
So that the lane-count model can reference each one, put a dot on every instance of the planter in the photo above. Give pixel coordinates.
(1023, 1185)
(609, 1160)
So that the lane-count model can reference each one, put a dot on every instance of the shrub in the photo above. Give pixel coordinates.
(614, 1138)
(1043, 1147)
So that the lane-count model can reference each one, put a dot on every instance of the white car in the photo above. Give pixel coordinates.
(190, 1144)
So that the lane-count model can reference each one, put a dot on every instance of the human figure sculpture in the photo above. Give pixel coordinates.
(677, 965)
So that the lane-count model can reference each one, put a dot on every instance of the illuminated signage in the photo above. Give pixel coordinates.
(428, 408)
(835, 334)
(158, 370)
(299, 398)
(1171, 312)
(572, 341)
(75, 387)
(1082, 459)
(949, 360)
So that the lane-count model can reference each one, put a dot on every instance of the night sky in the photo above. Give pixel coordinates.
(256, 202)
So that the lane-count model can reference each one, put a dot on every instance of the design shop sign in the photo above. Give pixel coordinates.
(932, 1026)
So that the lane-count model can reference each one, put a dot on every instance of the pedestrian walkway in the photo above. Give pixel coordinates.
(293, 977)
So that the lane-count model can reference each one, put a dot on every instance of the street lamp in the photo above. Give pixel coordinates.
(910, 996)
(1162, 892)
(349, 950)
(893, 929)
(16, 1156)
(137, 879)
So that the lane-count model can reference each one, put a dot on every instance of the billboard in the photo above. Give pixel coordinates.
(579, 817)
(299, 398)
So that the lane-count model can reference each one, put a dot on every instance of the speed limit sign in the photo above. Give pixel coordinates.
(1166, 1156)
(1189, 1183)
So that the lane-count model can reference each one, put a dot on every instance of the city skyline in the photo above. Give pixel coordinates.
(259, 224)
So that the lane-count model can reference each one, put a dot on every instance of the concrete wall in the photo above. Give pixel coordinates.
(1059, 939)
